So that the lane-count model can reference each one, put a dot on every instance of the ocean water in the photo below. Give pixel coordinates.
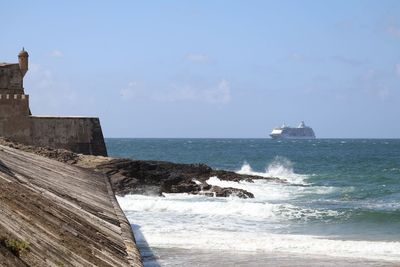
(341, 203)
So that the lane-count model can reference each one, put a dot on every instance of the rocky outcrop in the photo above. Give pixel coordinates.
(230, 191)
(60, 155)
(129, 176)
(182, 185)
(152, 177)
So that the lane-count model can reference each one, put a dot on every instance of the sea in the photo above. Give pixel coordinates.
(339, 206)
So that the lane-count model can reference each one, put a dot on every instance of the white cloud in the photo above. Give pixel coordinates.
(39, 77)
(383, 94)
(350, 61)
(132, 91)
(375, 84)
(47, 93)
(57, 53)
(218, 94)
(397, 69)
(197, 58)
(394, 30)
(297, 57)
(176, 94)
(370, 75)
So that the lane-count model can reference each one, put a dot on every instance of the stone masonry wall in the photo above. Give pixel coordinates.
(11, 79)
(79, 134)
(14, 117)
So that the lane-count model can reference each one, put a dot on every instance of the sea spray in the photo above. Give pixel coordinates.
(280, 167)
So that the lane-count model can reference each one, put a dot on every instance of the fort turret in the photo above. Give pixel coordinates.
(23, 61)
(79, 134)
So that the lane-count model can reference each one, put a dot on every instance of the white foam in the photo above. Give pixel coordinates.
(268, 191)
(265, 190)
(280, 167)
(235, 208)
(199, 222)
(197, 182)
(198, 205)
(266, 242)
(262, 190)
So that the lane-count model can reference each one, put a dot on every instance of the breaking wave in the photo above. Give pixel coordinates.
(261, 224)
(235, 208)
(199, 222)
(280, 167)
(270, 243)
(338, 201)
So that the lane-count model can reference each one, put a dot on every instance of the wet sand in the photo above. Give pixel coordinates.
(187, 257)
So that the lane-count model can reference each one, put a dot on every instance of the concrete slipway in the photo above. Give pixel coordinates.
(69, 215)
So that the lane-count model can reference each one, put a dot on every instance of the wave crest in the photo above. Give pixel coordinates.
(280, 167)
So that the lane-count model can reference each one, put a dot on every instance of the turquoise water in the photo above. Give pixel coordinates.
(339, 189)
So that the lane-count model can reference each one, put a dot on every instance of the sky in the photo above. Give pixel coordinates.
(215, 69)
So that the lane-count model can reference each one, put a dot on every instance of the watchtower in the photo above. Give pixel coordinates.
(79, 134)
(23, 57)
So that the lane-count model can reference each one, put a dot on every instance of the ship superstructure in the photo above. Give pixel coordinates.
(286, 132)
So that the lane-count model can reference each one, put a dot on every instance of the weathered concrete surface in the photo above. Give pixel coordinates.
(69, 215)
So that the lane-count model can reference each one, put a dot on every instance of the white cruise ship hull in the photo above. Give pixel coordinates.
(291, 137)
(285, 132)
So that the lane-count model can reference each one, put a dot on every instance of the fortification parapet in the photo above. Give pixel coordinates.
(79, 134)
(73, 133)
(14, 97)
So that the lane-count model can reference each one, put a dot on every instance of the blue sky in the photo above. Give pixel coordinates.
(212, 68)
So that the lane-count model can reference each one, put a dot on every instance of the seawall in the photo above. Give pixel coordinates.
(68, 215)
(78, 134)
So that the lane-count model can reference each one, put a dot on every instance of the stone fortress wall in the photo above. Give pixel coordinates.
(78, 134)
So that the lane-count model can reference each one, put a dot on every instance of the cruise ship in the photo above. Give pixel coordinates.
(286, 132)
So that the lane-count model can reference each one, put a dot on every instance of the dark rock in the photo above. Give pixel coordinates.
(129, 176)
(126, 184)
(179, 184)
(205, 186)
(230, 191)
(185, 188)
(134, 176)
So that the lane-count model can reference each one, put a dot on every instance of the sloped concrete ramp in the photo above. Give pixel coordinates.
(69, 215)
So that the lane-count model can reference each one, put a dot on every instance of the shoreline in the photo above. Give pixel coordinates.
(188, 223)
(213, 258)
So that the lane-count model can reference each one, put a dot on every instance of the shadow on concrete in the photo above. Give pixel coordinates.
(147, 254)
(6, 170)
